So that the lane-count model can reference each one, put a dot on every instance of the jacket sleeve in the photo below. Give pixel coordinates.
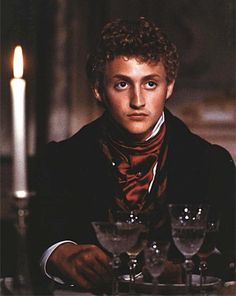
(222, 195)
(44, 213)
(49, 209)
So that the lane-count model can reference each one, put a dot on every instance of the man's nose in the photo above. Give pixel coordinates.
(137, 99)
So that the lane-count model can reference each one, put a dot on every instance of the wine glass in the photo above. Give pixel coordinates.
(188, 227)
(155, 255)
(208, 246)
(116, 238)
(142, 221)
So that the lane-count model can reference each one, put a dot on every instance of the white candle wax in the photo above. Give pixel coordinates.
(19, 139)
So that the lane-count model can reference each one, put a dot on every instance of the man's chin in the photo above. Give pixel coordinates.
(137, 135)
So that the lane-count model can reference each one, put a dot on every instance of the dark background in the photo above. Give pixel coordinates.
(56, 36)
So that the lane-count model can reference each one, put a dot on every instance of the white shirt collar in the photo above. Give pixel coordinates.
(157, 126)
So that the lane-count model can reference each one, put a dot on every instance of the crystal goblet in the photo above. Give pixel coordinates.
(155, 255)
(188, 227)
(116, 238)
(208, 246)
(141, 220)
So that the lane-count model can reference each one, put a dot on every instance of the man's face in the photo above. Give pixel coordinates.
(135, 94)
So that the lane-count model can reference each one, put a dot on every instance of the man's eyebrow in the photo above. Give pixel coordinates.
(119, 77)
(122, 76)
(151, 76)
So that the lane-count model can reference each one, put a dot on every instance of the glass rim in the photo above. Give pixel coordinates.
(191, 205)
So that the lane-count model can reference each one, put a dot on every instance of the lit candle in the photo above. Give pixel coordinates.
(19, 140)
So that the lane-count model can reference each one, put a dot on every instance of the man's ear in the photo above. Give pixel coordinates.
(170, 88)
(97, 92)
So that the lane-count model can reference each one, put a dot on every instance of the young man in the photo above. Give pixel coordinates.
(136, 156)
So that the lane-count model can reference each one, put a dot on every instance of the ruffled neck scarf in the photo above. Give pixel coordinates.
(135, 165)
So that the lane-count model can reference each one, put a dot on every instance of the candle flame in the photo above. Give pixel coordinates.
(18, 62)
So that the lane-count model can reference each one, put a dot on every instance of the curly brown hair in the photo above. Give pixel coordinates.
(141, 39)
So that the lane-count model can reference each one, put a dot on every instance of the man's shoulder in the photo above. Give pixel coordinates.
(82, 143)
(190, 144)
(221, 156)
(90, 131)
(180, 135)
(87, 134)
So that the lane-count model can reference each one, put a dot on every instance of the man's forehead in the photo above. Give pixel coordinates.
(132, 65)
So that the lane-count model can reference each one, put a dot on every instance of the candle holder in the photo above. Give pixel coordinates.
(22, 279)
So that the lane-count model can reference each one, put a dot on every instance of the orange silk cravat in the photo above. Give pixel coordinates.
(134, 164)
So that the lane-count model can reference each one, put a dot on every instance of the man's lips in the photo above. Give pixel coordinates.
(137, 115)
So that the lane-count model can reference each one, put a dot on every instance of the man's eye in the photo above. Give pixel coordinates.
(151, 84)
(121, 85)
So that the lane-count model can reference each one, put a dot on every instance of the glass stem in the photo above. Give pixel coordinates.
(203, 270)
(188, 266)
(115, 266)
(132, 266)
(155, 285)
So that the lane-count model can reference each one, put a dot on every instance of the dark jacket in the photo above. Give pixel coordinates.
(77, 186)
